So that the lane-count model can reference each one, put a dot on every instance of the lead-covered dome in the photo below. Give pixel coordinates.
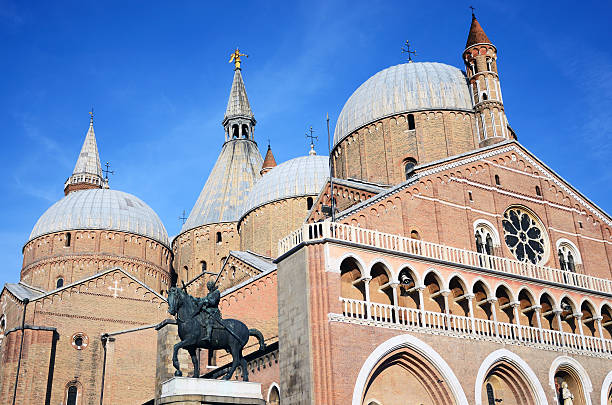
(103, 209)
(404, 88)
(297, 177)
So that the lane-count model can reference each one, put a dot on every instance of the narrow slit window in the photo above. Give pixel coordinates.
(68, 239)
(309, 203)
(497, 182)
(538, 191)
(72, 395)
(470, 196)
(219, 237)
(411, 124)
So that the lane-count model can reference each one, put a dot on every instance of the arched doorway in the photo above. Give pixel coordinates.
(405, 370)
(505, 378)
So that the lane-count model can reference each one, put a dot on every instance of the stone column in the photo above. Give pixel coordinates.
(578, 318)
(366, 283)
(395, 301)
(445, 294)
(493, 303)
(421, 304)
(538, 315)
(558, 313)
(597, 320)
(517, 320)
(470, 300)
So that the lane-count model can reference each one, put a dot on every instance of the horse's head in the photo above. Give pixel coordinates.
(174, 300)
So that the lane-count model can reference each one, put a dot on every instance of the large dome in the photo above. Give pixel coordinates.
(404, 88)
(101, 209)
(294, 178)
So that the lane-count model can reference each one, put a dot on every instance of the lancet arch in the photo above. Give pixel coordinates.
(410, 358)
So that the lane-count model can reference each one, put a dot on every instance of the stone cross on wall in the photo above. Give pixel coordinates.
(115, 289)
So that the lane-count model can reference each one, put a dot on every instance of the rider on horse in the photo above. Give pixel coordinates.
(209, 306)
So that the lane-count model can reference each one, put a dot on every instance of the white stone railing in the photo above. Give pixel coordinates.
(416, 319)
(403, 244)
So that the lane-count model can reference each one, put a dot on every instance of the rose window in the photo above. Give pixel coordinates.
(523, 236)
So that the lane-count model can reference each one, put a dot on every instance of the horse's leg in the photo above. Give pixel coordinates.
(245, 371)
(235, 360)
(195, 360)
(175, 361)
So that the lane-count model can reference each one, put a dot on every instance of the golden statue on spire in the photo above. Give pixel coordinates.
(236, 58)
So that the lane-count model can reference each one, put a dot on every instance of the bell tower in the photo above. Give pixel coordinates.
(480, 58)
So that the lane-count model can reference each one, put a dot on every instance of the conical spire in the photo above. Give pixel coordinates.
(269, 161)
(87, 172)
(477, 34)
(238, 103)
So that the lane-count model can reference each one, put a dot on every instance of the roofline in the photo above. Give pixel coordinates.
(275, 200)
(96, 276)
(511, 143)
(394, 114)
(195, 227)
(479, 44)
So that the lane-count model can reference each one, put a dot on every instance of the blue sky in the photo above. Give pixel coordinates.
(157, 75)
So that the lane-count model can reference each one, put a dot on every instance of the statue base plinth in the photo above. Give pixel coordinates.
(197, 391)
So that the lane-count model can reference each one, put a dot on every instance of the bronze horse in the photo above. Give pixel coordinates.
(230, 335)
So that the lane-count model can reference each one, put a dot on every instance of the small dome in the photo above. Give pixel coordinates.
(103, 209)
(403, 88)
(297, 177)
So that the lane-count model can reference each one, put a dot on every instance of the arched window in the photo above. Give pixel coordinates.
(309, 203)
(68, 239)
(245, 131)
(409, 165)
(411, 124)
(71, 398)
(489, 65)
(569, 256)
(274, 396)
(490, 395)
(497, 182)
(485, 97)
(59, 283)
(538, 191)
(235, 131)
(203, 265)
(414, 234)
(219, 237)
(484, 239)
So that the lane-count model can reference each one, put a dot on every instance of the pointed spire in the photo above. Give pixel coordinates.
(238, 103)
(269, 162)
(477, 34)
(87, 172)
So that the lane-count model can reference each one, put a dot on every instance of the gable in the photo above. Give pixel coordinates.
(444, 200)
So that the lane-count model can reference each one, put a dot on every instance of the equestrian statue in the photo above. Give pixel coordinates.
(200, 326)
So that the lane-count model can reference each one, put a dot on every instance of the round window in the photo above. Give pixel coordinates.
(524, 236)
(80, 341)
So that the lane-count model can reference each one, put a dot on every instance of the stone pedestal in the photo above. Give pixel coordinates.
(200, 391)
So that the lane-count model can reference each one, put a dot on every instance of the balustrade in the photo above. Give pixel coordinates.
(463, 325)
(403, 244)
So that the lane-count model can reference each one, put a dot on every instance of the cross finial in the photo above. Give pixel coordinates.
(107, 171)
(235, 57)
(310, 135)
(472, 7)
(91, 116)
(183, 217)
(406, 49)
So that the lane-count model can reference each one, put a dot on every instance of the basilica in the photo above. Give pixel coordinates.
(430, 259)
